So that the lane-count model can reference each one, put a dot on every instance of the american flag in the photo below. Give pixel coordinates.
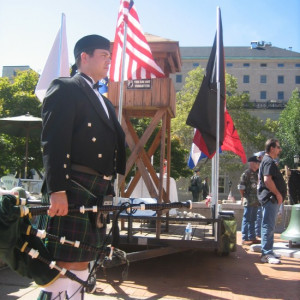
(139, 62)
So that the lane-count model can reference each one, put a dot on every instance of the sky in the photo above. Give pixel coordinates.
(28, 28)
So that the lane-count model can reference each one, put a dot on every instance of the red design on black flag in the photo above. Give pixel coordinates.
(232, 141)
(203, 115)
(199, 141)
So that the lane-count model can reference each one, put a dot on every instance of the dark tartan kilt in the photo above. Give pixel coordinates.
(78, 227)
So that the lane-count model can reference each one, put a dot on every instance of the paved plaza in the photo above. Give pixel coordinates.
(189, 275)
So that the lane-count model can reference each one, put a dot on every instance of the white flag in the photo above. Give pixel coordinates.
(57, 64)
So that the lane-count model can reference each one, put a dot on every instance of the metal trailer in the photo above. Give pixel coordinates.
(144, 237)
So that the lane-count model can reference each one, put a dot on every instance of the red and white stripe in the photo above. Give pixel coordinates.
(139, 62)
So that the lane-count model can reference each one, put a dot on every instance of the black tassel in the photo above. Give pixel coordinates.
(73, 70)
(115, 240)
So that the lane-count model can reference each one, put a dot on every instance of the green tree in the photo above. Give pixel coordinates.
(252, 131)
(184, 101)
(17, 98)
(289, 130)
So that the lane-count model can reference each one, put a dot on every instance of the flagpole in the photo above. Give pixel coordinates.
(121, 96)
(218, 114)
(215, 162)
(213, 186)
(60, 44)
(122, 74)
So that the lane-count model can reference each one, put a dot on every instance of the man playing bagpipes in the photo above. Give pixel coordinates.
(83, 147)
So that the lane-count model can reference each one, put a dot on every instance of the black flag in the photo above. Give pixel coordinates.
(203, 115)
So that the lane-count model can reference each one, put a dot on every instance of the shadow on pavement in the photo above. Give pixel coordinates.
(187, 275)
(12, 283)
(204, 275)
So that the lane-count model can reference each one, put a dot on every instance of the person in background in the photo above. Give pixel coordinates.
(259, 156)
(248, 190)
(205, 188)
(83, 148)
(196, 186)
(271, 193)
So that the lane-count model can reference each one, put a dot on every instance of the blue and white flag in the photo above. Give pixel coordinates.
(195, 156)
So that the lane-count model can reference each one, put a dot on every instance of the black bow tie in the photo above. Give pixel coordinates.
(96, 85)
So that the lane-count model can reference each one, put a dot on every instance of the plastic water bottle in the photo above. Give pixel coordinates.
(188, 232)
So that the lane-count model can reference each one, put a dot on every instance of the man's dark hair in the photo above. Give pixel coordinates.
(270, 143)
(90, 52)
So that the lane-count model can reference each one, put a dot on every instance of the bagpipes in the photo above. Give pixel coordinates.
(22, 246)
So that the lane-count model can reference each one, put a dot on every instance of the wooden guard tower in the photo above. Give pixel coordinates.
(153, 98)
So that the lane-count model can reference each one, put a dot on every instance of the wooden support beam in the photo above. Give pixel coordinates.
(145, 137)
(145, 159)
(173, 69)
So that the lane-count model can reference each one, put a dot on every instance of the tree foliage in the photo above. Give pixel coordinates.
(184, 102)
(17, 98)
(253, 132)
(289, 130)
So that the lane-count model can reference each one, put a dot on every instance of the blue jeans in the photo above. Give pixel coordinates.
(248, 223)
(269, 215)
(258, 221)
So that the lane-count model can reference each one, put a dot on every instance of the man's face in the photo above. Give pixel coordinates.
(276, 150)
(254, 165)
(98, 64)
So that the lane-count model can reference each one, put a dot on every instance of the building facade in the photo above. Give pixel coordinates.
(268, 74)
(11, 71)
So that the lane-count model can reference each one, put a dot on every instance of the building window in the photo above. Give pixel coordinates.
(263, 78)
(297, 65)
(178, 78)
(221, 185)
(263, 95)
(297, 79)
(245, 92)
(246, 79)
(229, 64)
(280, 79)
(195, 64)
(280, 65)
(263, 65)
(246, 65)
(280, 95)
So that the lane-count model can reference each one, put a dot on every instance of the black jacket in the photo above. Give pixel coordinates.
(77, 130)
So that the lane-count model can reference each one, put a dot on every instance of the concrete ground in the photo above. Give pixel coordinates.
(189, 275)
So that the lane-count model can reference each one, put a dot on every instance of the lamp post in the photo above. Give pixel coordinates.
(229, 184)
(230, 197)
(296, 160)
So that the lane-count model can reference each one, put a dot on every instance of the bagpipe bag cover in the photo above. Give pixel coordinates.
(12, 239)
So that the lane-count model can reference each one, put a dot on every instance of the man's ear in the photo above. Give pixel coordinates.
(83, 56)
